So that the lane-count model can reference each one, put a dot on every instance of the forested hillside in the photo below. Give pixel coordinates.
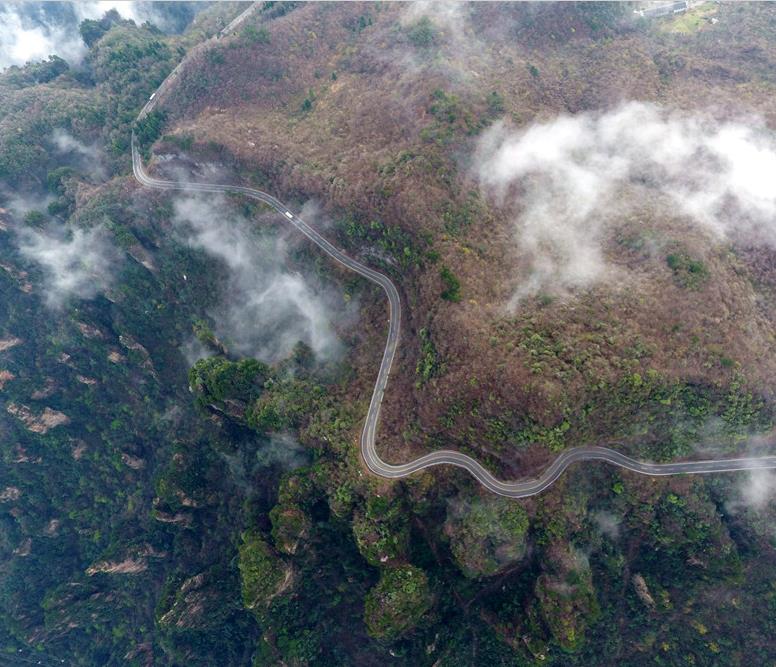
(558, 192)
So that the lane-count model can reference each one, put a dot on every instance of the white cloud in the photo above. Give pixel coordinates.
(22, 40)
(268, 308)
(193, 350)
(21, 204)
(758, 489)
(34, 31)
(67, 143)
(608, 523)
(282, 449)
(753, 498)
(450, 17)
(128, 10)
(568, 179)
(76, 266)
(87, 156)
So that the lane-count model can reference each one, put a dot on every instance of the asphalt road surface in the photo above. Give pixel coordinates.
(513, 489)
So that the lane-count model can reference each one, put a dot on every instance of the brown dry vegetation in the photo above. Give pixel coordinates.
(334, 102)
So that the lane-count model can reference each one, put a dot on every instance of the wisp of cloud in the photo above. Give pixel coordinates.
(87, 157)
(756, 490)
(268, 308)
(35, 30)
(565, 181)
(79, 265)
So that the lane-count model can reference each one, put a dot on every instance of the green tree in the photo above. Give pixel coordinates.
(149, 129)
(92, 31)
(452, 286)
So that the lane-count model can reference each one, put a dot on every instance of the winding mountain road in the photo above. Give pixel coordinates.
(513, 489)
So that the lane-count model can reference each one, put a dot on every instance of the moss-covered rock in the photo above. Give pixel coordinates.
(566, 596)
(263, 575)
(397, 602)
(382, 531)
(284, 405)
(228, 385)
(195, 604)
(486, 534)
(290, 525)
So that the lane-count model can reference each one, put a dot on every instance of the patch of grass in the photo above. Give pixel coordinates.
(688, 271)
(495, 103)
(421, 33)
(307, 103)
(35, 219)
(148, 129)
(452, 286)
(182, 141)
(450, 118)
(254, 35)
(407, 251)
(216, 57)
(359, 24)
(690, 21)
(429, 364)
(554, 438)
(458, 218)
